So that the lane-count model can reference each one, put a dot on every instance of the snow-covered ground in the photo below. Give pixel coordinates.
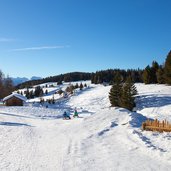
(52, 88)
(103, 138)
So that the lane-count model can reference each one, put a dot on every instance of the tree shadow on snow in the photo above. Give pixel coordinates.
(137, 119)
(103, 132)
(13, 124)
(52, 117)
(15, 115)
(147, 101)
(83, 91)
(113, 124)
(148, 142)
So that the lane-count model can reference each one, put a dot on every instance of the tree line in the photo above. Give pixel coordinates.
(68, 77)
(107, 75)
(96, 78)
(156, 73)
(153, 74)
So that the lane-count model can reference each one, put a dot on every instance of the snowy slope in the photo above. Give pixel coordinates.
(52, 88)
(103, 138)
(154, 101)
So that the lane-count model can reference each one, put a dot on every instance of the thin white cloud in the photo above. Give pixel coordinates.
(2, 39)
(39, 48)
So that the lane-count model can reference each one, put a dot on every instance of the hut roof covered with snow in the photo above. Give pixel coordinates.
(14, 99)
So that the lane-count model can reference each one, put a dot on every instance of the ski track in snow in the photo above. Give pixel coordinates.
(103, 138)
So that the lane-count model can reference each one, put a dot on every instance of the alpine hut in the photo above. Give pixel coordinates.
(14, 99)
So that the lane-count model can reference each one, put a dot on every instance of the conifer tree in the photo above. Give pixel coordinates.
(38, 91)
(76, 86)
(147, 75)
(46, 92)
(8, 86)
(99, 79)
(53, 100)
(81, 86)
(92, 78)
(59, 82)
(160, 76)
(27, 93)
(154, 68)
(72, 87)
(31, 94)
(68, 89)
(167, 69)
(115, 91)
(128, 94)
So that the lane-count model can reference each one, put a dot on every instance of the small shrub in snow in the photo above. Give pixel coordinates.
(46, 92)
(60, 92)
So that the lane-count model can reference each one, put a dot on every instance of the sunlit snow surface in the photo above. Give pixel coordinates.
(36, 138)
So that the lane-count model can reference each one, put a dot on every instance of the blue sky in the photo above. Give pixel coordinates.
(50, 37)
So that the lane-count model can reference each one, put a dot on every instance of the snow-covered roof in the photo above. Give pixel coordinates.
(19, 96)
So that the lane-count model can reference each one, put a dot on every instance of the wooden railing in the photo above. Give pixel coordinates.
(156, 125)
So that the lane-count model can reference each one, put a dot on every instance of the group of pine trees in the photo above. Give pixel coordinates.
(49, 101)
(122, 94)
(123, 91)
(154, 74)
(38, 92)
(167, 69)
(158, 73)
(6, 85)
(107, 75)
(71, 88)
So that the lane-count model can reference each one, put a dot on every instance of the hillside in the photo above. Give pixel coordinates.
(103, 138)
(68, 77)
(97, 78)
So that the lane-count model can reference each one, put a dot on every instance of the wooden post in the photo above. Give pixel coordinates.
(143, 125)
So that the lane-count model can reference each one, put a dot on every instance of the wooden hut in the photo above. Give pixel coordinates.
(14, 99)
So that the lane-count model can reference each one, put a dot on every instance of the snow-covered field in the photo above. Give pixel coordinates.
(102, 139)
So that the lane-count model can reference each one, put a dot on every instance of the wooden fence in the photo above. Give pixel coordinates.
(156, 125)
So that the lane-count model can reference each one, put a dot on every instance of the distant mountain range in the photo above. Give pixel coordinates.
(20, 80)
